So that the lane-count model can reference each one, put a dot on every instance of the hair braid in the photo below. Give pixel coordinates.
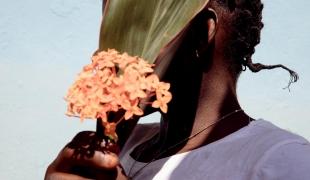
(245, 28)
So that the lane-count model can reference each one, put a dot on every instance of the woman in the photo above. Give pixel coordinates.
(205, 134)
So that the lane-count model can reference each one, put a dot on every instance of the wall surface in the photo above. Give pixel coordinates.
(44, 44)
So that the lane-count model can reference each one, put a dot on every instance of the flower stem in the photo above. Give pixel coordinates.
(144, 102)
(99, 128)
(120, 120)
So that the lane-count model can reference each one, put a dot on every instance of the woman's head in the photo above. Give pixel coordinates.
(242, 22)
(239, 25)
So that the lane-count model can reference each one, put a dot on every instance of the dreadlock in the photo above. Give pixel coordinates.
(245, 24)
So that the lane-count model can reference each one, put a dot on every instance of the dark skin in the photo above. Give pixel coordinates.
(203, 89)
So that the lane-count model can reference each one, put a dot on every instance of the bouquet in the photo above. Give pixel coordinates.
(116, 83)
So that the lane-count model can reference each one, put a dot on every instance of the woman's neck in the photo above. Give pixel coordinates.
(217, 98)
(214, 102)
(200, 98)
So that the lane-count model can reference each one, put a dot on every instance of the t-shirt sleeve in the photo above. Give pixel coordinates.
(287, 162)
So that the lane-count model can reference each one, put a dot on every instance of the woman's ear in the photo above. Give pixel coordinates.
(205, 30)
(212, 23)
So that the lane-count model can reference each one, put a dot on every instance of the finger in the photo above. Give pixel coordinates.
(90, 149)
(85, 174)
(100, 160)
(100, 166)
(64, 176)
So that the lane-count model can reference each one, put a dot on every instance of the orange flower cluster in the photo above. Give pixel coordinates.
(114, 82)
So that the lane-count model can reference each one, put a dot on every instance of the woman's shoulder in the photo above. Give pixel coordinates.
(288, 156)
(268, 132)
(144, 131)
(145, 127)
(141, 133)
(263, 137)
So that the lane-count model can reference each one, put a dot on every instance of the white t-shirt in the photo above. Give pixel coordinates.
(259, 151)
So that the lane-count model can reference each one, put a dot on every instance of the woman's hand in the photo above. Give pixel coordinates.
(81, 159)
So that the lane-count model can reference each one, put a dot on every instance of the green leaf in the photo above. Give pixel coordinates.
(151, 29)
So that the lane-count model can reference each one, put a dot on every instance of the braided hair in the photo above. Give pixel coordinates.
(245, 25)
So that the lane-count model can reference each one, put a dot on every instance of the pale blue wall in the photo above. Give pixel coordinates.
(285, 40)
(43, 44)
